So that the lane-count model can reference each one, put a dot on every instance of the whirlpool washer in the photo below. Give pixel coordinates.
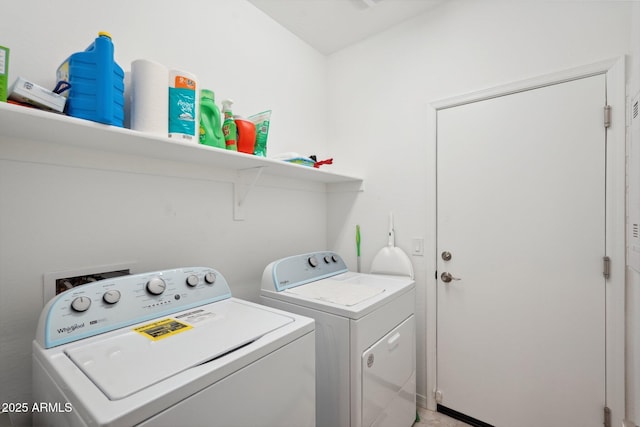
(365, 337)
(171, 348)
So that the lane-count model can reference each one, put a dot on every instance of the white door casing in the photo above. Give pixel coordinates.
(612, 74)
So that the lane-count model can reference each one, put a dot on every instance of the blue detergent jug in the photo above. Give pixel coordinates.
(97, 83)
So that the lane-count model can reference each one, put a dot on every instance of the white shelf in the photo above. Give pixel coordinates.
(31, 124)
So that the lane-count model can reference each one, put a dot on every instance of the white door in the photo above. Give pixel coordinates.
(521, 210)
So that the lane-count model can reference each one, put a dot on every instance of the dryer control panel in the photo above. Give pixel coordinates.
(111, 304)
(301, 269)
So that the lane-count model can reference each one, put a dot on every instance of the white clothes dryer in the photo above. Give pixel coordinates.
(171, 348)
(365, 337)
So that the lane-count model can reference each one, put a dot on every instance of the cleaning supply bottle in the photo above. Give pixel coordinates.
(210, 124)
(229, 126)
(97, 83)
(246, 135)
(183, 106)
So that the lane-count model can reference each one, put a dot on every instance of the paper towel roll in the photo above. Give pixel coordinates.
(127, 99)
(149, 97)
(183, 106)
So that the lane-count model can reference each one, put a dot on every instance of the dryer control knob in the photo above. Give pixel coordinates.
(111, 297)
(210, 278)
(192, 280)
(313, 261)
(334, 258)
(156, 286)
(81, 304)
(327, 259)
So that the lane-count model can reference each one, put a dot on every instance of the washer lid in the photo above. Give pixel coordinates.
(124, 362)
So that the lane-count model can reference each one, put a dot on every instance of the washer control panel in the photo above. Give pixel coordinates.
(110, 304)
(301, 269)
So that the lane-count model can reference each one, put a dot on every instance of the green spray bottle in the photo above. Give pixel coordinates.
(210, 125)
(229, 126)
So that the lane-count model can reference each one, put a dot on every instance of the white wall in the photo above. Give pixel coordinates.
(69, 208)
(379, 96)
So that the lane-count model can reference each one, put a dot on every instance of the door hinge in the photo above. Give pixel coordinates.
(606, 266)
(607, 417)
(607, 116)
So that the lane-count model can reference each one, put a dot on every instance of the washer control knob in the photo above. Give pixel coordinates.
(156, 286)
(81, 304)
(313, 261)
(111, 297)
(327, 259)
(210, 277)
(334, 258)
(192, 280)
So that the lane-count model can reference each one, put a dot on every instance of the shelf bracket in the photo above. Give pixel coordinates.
(241, 189)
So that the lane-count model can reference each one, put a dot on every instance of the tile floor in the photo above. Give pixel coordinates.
(433, 419)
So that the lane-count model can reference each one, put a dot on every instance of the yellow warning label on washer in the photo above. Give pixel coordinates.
(162, 329)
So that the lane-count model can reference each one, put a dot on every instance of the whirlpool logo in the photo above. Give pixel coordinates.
(70, 329)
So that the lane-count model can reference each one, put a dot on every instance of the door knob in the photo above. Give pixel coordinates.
(447, 277)
(446, 255)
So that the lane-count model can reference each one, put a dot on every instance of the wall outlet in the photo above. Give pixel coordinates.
(59, 281)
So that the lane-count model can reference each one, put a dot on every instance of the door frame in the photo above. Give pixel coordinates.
(614, 69)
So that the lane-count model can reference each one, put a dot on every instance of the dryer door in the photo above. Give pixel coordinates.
(388, 378)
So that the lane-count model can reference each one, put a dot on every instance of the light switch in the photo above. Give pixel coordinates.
(417, 247)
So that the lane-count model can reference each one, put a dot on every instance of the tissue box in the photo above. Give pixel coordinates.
(30, 93)
(4, 72)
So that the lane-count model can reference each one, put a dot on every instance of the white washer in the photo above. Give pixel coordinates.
(365, 337)
(171, 348)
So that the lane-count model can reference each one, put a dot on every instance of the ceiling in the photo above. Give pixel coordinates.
(330, 25)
